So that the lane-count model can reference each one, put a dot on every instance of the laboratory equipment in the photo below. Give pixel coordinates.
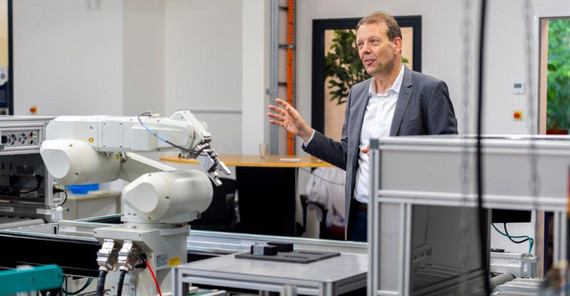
(26, 192)
(157, 203)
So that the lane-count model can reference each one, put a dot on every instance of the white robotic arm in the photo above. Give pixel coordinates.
(86, 149)
(96, 149)
(159, 199)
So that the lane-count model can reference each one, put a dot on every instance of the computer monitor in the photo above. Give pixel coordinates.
(510, 216)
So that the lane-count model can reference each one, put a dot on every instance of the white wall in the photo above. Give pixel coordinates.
(68, 58)
(254, 78)
(143, 56)
(126, 57)
(506, 62)
(203, 46)
(89, 57)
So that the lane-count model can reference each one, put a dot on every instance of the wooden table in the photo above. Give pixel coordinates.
(272, 161)
(267, 189)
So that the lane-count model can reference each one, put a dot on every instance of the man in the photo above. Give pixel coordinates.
(394, 102)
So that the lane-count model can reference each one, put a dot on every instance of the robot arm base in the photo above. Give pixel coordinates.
(168, 196)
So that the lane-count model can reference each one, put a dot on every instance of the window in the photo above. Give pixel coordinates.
(554, 75)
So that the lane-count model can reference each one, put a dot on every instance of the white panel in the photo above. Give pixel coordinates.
(203, 55)
(143, 57)
(67, 57)
(390, 245)
(226, 131)
(254, 100)
(203, 65)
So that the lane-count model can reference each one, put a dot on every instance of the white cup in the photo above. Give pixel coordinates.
(263, 150)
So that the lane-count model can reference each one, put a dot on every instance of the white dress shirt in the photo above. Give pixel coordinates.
(376, 124)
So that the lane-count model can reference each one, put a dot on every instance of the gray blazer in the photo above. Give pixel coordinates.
(423, 108)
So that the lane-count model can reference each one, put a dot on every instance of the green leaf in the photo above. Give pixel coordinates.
(551, 67)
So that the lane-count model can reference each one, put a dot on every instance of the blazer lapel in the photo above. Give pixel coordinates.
(402, 103)
(359, 109)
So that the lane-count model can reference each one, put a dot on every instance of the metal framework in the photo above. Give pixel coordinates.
(412, 176)
(274, 74)
(274, 65)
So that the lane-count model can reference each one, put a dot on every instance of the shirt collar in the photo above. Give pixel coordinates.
(395, 87)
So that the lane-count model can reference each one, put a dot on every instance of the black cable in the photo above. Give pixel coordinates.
(143, 259)
(509, 236)
(483, 224)
(122, 274)
(101, 283)
(55, 190)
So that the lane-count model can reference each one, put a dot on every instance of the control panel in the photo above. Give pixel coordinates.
(20, 138)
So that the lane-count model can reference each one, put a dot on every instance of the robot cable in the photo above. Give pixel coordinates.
(159, 137)
(143, 258)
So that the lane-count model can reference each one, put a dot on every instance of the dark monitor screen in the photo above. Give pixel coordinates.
(510, 216)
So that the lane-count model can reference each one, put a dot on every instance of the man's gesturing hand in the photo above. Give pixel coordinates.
(287, 117)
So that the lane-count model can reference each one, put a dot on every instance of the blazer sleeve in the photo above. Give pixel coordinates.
(440, 113)
(329, 150)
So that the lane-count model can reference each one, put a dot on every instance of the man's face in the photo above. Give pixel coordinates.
(377, 52)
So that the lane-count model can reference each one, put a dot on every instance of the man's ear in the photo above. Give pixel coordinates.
(398, 45)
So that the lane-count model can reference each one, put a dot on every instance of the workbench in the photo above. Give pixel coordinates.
(332, 276)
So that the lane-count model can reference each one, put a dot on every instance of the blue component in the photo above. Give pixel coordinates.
(83, 189)
(32, 279)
